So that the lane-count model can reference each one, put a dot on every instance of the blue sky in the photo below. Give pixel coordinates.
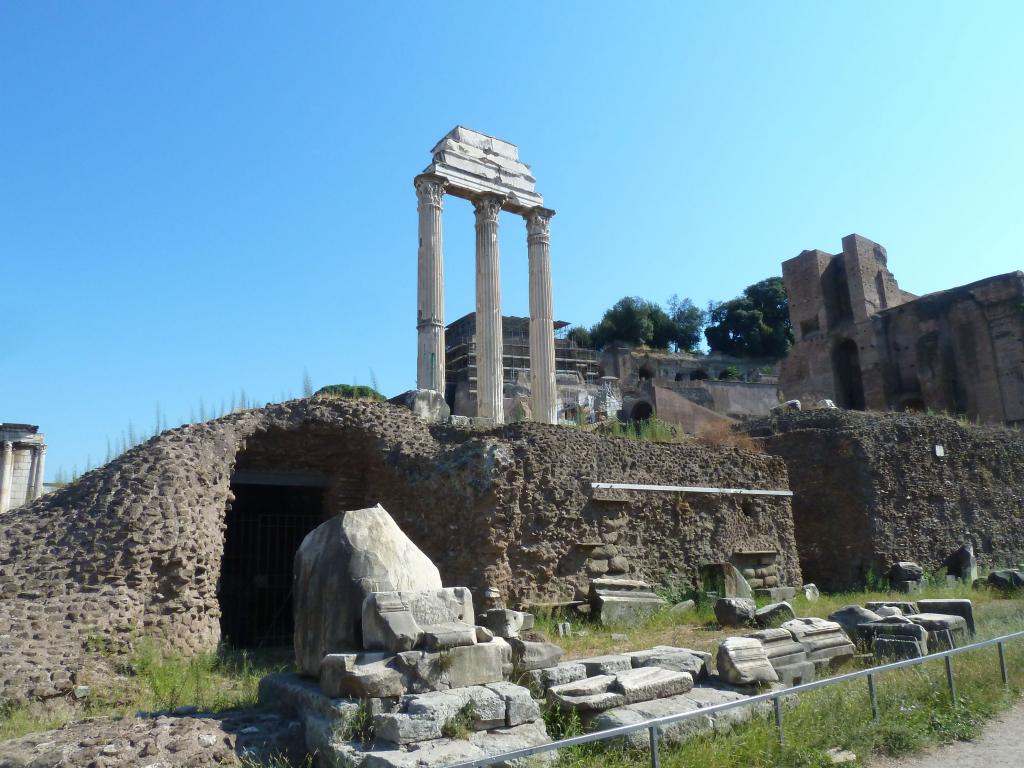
(198, 198)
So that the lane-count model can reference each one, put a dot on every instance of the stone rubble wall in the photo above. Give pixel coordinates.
(869, 490)
(134, 547)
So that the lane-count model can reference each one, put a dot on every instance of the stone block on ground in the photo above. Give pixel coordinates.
(954, 607)
(849, 617)
(504, 622)
(744, 661)
(962, 564)
(337, 565)
(675, 733)
(735, 611)
(906, 608)
(888, 610)
(895, 647)
(1007, 579)
(696, 663)
(725, 580)
(786, 655)
(602, 692)
(458, 667)
(452, 634)
(529, 654)
(437, 752)
(895, 626)
(811, 592)
(361, 675)
(606, 665)
(560, 674)
(824, 641)
(589, 694)
(680, 609)
(944, 630)
(520, 706)
(622, 601)
(905, 571)
(388, 624)
(774, 614)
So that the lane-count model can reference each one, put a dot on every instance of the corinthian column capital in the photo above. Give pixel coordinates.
(430, 190)
(487, 207)
(538, 222)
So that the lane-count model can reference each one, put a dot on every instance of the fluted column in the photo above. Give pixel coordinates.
(6, 475)
(489, 388)
(543, 390)
(40, 464)
(430, 286)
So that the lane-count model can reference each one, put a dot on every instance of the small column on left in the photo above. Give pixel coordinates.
(40, 470)
(430, 361)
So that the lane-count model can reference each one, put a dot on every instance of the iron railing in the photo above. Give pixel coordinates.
(654, 726)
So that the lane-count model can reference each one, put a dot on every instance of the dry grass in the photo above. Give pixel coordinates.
(722, 435)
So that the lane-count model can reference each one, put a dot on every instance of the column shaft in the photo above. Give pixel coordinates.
(6, 475)
(489, 347)
(430, 360)
(543, 388)
(40, 463)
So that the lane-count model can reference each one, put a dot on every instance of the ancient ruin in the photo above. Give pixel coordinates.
(914, 487)
(486, 171)
(22, 464)
(191, 536)
(864, 343)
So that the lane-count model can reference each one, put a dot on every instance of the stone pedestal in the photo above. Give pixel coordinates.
(543, 393)
(430, 360)
(489, 389)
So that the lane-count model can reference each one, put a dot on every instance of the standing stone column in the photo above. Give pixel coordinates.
(40, 463)
(6, 475)
(543, 390)
(489, 348)
(430, 286)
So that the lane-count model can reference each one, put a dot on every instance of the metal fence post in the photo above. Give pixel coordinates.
(655, 757)
(1002, 665)
(949, 679)
(778, 722)
(873, 696)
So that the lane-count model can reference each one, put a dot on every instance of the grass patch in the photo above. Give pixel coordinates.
(915, 707)
(152, 679)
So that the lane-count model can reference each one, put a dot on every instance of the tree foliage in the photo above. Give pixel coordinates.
(755, 324)
(636, 321)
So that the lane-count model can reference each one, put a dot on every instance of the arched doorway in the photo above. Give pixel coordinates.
(846, 368)
(646, 372)
(284, 484)
(642, 411)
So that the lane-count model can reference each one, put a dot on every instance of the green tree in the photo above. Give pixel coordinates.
(637, 321)
(755, 324)
(688, 321)
(581, 337)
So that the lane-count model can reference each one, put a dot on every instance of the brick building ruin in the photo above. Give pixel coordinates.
(22, 464)
(914, 487)
(865, 343)
(191, 536)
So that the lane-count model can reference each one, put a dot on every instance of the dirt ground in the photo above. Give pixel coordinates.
(1001, 745)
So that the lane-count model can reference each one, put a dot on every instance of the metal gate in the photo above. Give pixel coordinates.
(265, 526)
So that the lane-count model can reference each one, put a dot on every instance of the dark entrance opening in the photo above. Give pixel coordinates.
(849, 384)
(646, 372)
(642, 411)
(265, 526)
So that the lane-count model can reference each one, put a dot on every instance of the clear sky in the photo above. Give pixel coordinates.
(198, 198)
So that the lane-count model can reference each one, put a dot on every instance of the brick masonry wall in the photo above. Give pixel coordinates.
(869, 490)
(134, 547)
